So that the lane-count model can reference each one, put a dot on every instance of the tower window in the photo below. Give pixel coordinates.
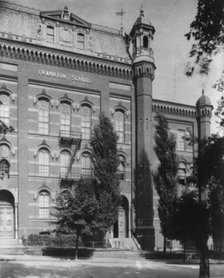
(4, 168)
(4, 151)
(50, 34)
(121, 168)
(4, 109)
(80, 41)
(145, 42)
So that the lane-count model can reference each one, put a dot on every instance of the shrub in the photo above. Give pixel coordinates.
(59, 240)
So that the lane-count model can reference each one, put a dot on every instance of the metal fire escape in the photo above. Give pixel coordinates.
(70, 140)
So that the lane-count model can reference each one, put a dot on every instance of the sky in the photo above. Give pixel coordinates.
(171, 19)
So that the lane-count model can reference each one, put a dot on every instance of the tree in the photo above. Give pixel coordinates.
(165, 177)
(76, 212)
(191, 219)
(220, 111)
(207, 32)
(213, 165)
(217, 214)
(105, 163)
(209, 179)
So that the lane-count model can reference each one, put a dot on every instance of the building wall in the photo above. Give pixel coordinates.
(102, 77)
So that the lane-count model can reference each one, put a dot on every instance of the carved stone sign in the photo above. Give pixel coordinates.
(60, 75)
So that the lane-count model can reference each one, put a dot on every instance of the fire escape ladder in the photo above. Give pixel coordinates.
(76, 149)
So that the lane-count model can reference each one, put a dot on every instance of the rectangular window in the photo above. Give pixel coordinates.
(44, 163)
(86, 127)
(43, 122)
(44, 170)
(44, 213)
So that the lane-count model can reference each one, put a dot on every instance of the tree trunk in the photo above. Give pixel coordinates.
(220, 245)
(164, 245)
(76, 246)
(185, 248)
(204, 271)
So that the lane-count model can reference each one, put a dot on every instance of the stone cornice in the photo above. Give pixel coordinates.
(174, 108)
(54, 57)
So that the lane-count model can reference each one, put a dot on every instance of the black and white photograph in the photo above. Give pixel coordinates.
(111, 138)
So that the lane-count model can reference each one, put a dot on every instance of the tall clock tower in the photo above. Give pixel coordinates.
(143, 66)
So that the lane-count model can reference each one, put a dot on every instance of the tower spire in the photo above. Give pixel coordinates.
(142, 10)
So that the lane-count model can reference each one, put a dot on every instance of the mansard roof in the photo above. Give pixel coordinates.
(26, 25)
(65, 16)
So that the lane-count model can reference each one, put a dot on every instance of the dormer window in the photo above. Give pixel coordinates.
(50, 34)
(145, 42)
(80, 41)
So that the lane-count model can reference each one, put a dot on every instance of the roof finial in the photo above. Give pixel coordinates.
(203, 92)
(121, 13)
(142, 10)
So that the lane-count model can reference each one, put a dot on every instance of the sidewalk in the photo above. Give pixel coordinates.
(93, 259)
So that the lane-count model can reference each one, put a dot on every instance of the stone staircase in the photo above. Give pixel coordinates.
(125, 243)
(11, 247)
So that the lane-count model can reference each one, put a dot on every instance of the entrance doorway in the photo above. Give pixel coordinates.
(6, 214)
(121, 225)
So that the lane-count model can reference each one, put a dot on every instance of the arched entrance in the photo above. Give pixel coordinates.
(7, 214)
(121, 225)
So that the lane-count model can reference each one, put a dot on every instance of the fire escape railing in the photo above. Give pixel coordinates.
(73, 141)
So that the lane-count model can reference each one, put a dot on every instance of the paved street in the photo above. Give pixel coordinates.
(46, 267)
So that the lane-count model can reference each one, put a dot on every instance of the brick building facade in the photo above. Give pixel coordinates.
(57, 74)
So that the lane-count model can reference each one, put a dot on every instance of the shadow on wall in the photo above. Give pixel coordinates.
(144, 203)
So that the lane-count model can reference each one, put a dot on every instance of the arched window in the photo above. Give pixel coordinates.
(121, 168)
(43, 116)
(80, 41)
(65, 158)
(44, 204)
(4, 168)
(50, 34)
(65, 109)
(86, 122)
(145, 42)
(44, 162)
(4, 109)
(119, 125)
(86, 165)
